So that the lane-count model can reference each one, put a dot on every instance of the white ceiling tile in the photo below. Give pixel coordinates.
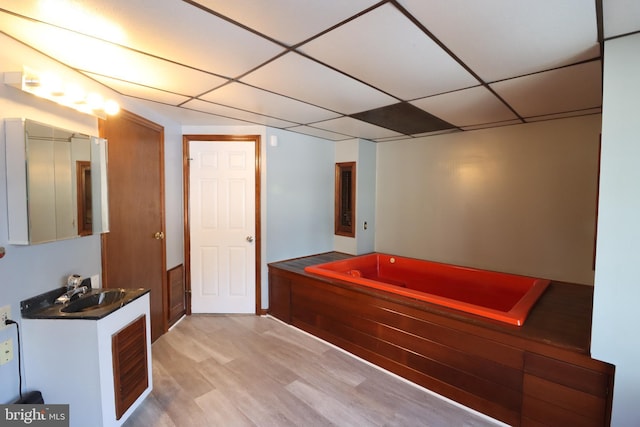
(320, 133)
(300, 78)
(92, 55)
(139, 91)
(372, 46)
(620, 17)
(238, 95)
(499, 39)
(466, 107)
(152, 26)
(153, 50)
(355, 128)
(185, 116)
(233, 113)
(289, 21)
(566, 89)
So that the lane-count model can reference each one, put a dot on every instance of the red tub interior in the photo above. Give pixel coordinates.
(504, 297)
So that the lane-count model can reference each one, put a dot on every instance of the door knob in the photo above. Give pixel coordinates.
(159, 235)
(249, 239)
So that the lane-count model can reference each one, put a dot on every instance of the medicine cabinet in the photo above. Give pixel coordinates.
(56, 183)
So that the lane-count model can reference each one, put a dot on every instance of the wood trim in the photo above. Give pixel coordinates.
(186, 226)
(258, 212)
(82, 167)
(597, 210)
(177, 306)
(339, 229)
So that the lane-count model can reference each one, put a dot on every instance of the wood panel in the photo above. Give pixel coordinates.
(555, 390)
(280, 297)
(129, 351)
(591, 381)
(177, 294)
(131, 254)
(533, 375)
(488, 385)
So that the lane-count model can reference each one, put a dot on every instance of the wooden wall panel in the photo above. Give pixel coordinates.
(279, 297)
(177, 296)
(529, 376)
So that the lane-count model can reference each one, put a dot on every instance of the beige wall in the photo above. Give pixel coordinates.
(518, 199)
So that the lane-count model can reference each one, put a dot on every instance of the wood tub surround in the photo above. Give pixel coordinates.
(534, 375)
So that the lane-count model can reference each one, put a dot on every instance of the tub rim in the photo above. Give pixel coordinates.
(515, 316)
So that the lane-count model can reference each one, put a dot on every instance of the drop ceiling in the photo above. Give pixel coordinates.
(336, 69)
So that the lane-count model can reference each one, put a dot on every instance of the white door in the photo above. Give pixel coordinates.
(222, 226)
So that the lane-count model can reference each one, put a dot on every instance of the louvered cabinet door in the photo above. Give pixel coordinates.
(129, 349)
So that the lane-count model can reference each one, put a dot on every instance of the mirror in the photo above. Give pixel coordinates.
(65, 191)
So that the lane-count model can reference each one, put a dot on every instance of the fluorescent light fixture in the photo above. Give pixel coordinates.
(52, 87)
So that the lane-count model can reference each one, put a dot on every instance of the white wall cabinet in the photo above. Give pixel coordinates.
(71, 362)
(48, 197)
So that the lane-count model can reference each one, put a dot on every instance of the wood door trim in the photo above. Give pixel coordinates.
(102, 132)
(187, 228)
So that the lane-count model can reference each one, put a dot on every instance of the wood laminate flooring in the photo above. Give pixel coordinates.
(242, 370)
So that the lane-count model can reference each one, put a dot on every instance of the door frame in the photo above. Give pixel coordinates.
(187, 227)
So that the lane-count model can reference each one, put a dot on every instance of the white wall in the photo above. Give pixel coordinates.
(299, 193)
(518, 199)
(26, 271)
(362, 152)
(617, 282)
(346, 151)
(366, 196)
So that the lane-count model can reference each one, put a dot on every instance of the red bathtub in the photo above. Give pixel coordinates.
(499, 296)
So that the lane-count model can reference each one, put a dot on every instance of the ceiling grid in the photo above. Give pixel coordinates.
(379, 70)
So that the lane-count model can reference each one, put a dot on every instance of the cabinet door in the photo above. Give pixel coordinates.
(129, 348)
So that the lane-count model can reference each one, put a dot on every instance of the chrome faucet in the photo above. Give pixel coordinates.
(74, 287)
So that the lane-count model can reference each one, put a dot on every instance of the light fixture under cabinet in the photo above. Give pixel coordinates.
(51, 87)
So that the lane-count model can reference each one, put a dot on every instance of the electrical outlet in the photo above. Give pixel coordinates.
(95, 281)
(6, 351)
(5, 313)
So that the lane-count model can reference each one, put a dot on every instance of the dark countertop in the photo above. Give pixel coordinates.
(561, 317)
(43, 306)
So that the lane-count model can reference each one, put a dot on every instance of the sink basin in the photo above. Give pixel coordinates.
(95, 300)
(94, 305)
